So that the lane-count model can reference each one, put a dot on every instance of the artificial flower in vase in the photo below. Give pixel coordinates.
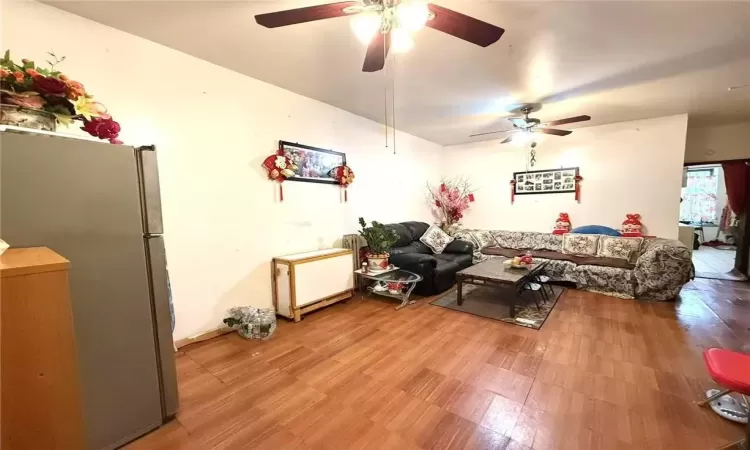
(449, 201)
(42, 98)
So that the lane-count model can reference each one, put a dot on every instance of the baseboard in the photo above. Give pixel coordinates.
(202, 337)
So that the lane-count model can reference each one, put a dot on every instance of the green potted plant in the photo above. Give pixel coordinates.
(380, 240)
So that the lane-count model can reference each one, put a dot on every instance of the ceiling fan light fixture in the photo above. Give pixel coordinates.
(412, 15)
(366, 25)
(401, 40)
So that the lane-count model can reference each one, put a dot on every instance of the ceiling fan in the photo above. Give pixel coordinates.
(386, 25)
(530, 125)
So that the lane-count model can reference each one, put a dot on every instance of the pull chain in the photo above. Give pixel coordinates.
(393, 101)
(385, 88)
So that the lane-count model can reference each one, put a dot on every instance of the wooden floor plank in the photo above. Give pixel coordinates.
(602, 373)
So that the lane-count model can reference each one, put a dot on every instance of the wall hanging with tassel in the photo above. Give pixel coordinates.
(279, 168)
(345, 176)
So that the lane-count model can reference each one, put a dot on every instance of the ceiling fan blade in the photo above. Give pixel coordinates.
(493, 132)
(553, 131)
(518, 122)
(302, 15)
(508, 139)
(462, 26)
(377, 52)
(569, 120)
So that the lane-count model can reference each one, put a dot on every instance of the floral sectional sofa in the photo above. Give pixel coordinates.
(646, 268)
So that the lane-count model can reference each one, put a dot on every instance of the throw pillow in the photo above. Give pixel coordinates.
(483, 239)
(619, 247)
(436, 239)
(580, 244)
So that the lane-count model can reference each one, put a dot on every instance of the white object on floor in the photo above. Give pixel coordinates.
(3, 246)
(728, 407)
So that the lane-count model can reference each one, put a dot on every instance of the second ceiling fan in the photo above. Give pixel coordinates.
(387, 25)
(528, 124)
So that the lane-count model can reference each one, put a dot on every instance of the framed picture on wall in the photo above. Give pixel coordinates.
(314, 164)
(555, 181)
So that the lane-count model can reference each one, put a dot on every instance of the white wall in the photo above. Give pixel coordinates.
(213, 128)
(718, 143)
(629, 167)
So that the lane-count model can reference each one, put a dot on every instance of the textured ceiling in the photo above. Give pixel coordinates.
(615, 61)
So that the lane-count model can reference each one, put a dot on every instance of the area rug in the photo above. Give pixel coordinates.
(493, 303)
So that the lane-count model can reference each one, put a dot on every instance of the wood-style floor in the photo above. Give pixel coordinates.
(602, 373)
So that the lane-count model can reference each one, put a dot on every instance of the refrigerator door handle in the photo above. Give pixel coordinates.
(148, 177)
(162, 319)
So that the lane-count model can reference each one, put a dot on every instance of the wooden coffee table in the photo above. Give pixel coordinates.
(495, 272)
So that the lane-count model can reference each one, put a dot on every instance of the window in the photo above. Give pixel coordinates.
(699, 196)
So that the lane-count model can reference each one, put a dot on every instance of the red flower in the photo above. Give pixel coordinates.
(103, 128)
(74, 89)
(32, 73)
(3, 73)
(471, 197)
(50, 86)
(19, 76)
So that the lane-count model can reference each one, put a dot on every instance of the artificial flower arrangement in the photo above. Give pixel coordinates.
(450, 201)
(48, 90)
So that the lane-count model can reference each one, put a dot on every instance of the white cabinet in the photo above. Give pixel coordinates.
(308, 281)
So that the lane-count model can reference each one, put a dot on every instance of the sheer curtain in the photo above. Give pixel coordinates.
(699, 196)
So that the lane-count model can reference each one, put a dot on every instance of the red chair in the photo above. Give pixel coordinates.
(730, 370)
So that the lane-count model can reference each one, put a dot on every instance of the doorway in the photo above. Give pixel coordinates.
(704, 207)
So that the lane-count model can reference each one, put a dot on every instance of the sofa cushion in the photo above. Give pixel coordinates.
(512, 239)
(627, 248)
(544, 241)
(436, 239)
(465, 235)
(580, 244)
(462, 260)
(483, 238)
(414, 247)
(404, 235)
(417, 229)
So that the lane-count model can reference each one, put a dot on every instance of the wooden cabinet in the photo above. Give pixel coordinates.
(308, 281)
(40, 397)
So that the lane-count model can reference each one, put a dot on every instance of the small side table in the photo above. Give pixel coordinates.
(404, 280)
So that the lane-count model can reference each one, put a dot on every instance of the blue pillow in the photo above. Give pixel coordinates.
(596, 229)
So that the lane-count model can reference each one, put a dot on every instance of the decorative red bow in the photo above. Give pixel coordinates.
(564, 217)
(279, 168)
(345, 176)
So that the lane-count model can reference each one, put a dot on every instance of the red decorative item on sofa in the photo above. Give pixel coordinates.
(279, 168)
(345, 176)
(562, 225)
(632, 226)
